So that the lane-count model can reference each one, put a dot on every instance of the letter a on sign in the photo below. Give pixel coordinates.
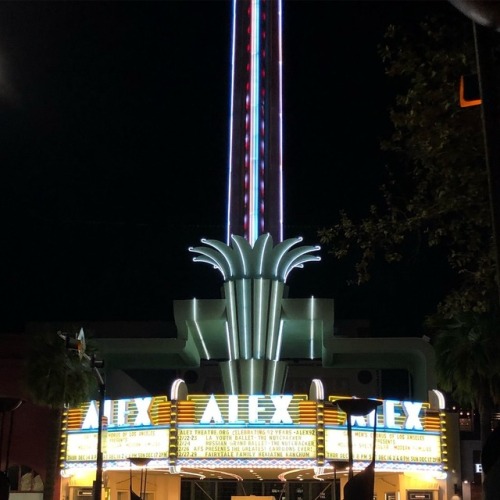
(212, 412)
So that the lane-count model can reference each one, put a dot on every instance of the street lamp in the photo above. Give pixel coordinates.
(359, 487)
(78, 344)
(97, 486)
(141, 462)
(337, 465)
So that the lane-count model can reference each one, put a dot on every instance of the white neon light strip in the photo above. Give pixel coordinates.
(272, 368)
(232, 319)
(311, 329)
(231, 119)
(246, 319)
(278, 344)
(253, 205)
(258, 348)
(228, 342)
(174, 392)
(284, 248)
(320, 390)
(225, 251)
(198, 331)
(297, 262)
(281, 197)
(273, 310)
(260, 266)
(441, 399)
(253, 375)
(237, 243)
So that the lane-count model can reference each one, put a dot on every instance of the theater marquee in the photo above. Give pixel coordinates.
(209, 430)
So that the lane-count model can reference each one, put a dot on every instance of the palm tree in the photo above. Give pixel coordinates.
(467, 350)
(56, 377)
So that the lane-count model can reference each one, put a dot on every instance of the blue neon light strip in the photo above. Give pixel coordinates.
(256, 150)
(253, 201)
(280, 62)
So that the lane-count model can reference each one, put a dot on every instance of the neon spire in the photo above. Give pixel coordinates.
(255, 183)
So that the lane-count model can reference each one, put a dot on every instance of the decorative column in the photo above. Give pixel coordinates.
(254, 284)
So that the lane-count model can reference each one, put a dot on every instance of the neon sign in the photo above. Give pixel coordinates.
(395, 415)
(255, 408)
(282, 428)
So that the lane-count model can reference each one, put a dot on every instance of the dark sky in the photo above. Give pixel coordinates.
(114, 128)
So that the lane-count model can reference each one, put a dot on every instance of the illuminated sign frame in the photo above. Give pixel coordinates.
(266, 430)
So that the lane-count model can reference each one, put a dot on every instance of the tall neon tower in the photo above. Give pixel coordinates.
(253, 332)
(255, 182)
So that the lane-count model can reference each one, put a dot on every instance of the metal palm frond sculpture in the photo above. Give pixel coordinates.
(260, 261)
(254, 284)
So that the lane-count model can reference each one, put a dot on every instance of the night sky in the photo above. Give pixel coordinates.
(114, 138)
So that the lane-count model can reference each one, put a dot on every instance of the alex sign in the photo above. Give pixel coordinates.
(120, 413)
(395, 415)
(253, 410)
(267, 427)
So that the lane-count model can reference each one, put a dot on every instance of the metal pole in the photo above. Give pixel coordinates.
(334, 482)
(488, 64)
(78, 344)
(349, 445)
(99, 461)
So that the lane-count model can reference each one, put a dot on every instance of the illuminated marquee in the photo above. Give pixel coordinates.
(252, 410)
(136, 427)
(407, 432)
(134, 412)
(390, 446)
(119, 445)
(231, 428)
(261, 443)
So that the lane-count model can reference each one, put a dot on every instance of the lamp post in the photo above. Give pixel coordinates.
(359, 487)
(78, 344)
(337, 465)
(97, 486)
(141, 462)
(486, 22)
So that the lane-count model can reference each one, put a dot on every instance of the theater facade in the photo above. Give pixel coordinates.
(255, 436)
(284, 445)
